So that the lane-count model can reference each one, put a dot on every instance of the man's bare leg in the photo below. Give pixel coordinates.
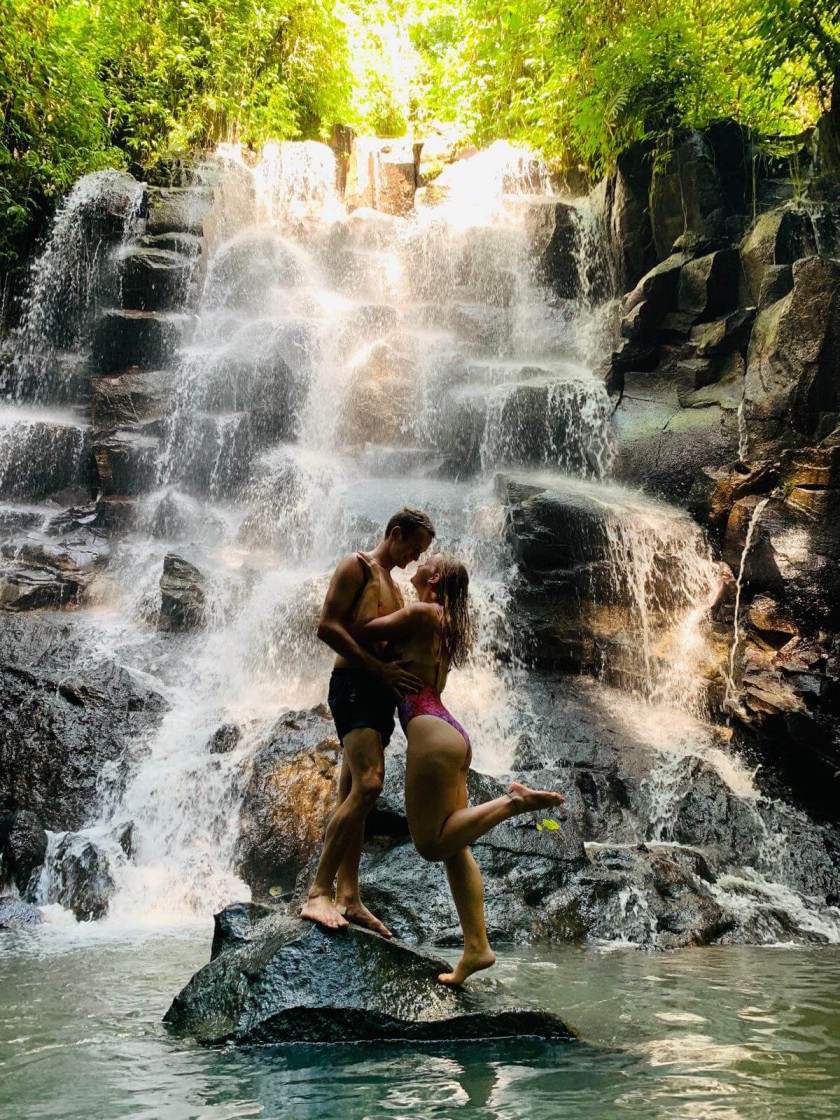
(365, 760)
(347, 897)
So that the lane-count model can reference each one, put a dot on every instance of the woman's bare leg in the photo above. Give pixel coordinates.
(440, 821)
(467, 888)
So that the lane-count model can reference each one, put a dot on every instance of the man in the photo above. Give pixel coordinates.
(362, 697)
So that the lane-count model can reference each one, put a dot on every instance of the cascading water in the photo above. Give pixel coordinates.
(71, 279)
(341, 366)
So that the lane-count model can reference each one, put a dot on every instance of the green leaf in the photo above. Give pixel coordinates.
(551, 825)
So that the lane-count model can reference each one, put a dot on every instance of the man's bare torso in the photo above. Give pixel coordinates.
(379, 596)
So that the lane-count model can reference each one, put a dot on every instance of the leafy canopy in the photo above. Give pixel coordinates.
(91, 83)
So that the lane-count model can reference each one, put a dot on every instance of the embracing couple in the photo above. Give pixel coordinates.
(389, 656)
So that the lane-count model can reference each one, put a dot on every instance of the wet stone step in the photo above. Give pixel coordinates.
(155, 279)
(178, 209)
(40, 572)
(212, 453)
(138, 338)
(188, 244)
(126, 462)
(39, 456)
(130, 397)
(563, 423)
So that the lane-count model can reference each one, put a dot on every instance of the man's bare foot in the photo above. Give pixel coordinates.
(466, 966)
(359, 915)
(525, 799)
(318, 908)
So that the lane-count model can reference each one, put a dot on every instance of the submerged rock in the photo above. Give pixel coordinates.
(278, 979)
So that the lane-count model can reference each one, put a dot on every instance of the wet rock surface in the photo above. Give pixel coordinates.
(15, 914)
(23, 845)
(64, 715)
(287, 801)
(182, 595)
(276, 979)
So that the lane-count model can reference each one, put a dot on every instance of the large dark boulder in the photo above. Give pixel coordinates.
(65, 713)
(41, 456)
(83, 879)
(131, 397)
(776, 239)
(155, 279)
(126, 462)
(623, 204)
(277, 979)
(178, 209)
(687, 195)
(554, 231)
(150, 339)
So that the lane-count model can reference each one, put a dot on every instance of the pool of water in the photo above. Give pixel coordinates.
(727, 1032)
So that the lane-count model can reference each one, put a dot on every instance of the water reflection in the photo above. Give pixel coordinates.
(724, 1032)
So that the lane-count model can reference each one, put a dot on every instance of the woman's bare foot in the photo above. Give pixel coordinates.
(466, 966)
(321, 909)
(525, 799)
(359, 915)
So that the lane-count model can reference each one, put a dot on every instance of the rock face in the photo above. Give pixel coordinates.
(65, 714)
(23, 845)
(276, 979)
(792, 385)
(726, 382)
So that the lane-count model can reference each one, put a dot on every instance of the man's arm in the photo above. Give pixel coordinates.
(344, 589)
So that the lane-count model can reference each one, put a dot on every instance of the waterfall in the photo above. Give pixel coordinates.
(344, 364)
(72, 278)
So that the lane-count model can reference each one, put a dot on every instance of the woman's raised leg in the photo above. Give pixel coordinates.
(441, 823)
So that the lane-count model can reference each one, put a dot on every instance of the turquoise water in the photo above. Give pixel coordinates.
(728, 1032)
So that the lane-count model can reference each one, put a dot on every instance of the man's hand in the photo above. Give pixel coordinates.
(398, 679)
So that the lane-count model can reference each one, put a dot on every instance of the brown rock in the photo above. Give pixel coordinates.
(290, 794)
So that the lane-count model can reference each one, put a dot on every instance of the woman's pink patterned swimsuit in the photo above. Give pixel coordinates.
(427, 702)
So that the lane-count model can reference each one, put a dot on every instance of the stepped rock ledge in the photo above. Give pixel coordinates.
(273, 979)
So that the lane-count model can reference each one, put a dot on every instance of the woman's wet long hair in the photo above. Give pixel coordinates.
(456, 632)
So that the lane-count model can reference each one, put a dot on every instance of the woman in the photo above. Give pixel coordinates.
(431, 636)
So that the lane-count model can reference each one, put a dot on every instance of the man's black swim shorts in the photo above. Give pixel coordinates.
(357, 700)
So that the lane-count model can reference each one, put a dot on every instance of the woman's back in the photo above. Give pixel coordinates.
(422, 649)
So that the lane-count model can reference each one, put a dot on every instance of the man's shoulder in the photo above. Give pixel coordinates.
(350, 565)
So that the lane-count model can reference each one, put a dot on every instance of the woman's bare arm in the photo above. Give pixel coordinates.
(400, 626)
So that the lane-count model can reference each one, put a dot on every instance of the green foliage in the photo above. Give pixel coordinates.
(91, 83)
(581, 81)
